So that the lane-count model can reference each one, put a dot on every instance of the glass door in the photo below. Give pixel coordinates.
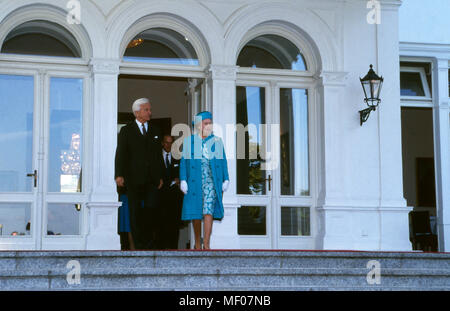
(254, 182)
(19, 166)
(41, 138)
(63, 191)
(293, 195)
(273, 167)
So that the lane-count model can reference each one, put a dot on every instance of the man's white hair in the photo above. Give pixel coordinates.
(137, 104)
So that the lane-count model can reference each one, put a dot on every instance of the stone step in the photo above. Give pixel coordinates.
(224, 270)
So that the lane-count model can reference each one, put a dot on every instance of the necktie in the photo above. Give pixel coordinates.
(167, 160)
(144, 132)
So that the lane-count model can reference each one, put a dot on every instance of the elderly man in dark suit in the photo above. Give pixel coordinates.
(138, 168)
(170, 196)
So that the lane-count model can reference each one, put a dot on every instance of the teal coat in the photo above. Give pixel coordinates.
(191, 172)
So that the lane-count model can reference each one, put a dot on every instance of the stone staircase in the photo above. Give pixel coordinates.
(223, 270)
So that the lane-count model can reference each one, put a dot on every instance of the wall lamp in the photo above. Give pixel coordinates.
(371, 85)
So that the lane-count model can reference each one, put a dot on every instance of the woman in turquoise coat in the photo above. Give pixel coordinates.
(203, 178)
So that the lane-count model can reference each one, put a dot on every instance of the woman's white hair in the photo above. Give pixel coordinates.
(137, 104)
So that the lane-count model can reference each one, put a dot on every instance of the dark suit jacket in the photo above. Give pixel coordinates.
(172, 172)
(137, 159)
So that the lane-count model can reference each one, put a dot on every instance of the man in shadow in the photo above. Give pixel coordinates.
(170, 197)
(138, 167)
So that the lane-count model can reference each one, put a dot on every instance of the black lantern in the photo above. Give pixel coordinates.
(371, 85)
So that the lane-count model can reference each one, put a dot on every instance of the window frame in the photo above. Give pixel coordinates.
(414, 99)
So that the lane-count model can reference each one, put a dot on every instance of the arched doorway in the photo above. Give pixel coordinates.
(164, 59)
(276, 87)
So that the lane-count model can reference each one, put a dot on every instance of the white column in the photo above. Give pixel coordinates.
(222, 92)
(334, 208)
(441, 113)
(394, 222)
(361, 204)
(103, 204)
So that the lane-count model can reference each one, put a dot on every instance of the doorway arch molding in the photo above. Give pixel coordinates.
(169, 22)
(279, 28)
(301, 26)
(84, 33)
(189, 19)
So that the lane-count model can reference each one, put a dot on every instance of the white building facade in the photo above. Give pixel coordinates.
(338, 185)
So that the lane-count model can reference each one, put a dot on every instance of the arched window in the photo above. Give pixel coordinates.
(40, 37)
(163, 46)
(271, 51)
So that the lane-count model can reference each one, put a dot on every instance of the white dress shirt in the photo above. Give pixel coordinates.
(140, 126)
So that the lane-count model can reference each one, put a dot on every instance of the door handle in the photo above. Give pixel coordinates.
(35, 177)
(269, 180)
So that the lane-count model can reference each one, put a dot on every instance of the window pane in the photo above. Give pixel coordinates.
(271, 51)
(16, 132)
(14, 218)
(426, 66)
(411, 84)
(295, 221)
(250, 114)
(294, 142)
(66, 102)
(41, 38)
(252, 220)
(160, 45)
(63, 219)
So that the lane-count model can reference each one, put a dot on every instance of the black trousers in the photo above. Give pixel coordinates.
(170, 211)
(143, 207)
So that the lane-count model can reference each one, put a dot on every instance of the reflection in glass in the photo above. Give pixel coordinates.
(271, 51)
(250, 111)
(66, 102)
(16, 132)
(252, 220)
(163, 46)
(294, 161)
(411, 84)
(14, 218)
(295, 221)
(63, 219)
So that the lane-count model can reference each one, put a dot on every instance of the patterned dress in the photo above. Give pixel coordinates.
(208, 191)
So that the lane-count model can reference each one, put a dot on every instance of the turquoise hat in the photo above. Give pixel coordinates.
(202, 116)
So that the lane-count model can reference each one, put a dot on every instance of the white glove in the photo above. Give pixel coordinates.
(184, 186)
(225, 185)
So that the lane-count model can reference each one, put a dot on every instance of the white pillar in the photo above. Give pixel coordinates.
(103, 203)
(334, 208)
(393, 210)
(376, 219)
(441, 115)
(222, 92)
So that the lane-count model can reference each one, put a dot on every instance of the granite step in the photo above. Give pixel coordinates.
(223, 270)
